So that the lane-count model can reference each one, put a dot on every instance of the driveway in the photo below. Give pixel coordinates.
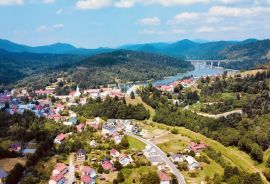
(176, 172)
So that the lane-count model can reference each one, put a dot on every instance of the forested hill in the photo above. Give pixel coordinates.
(16, 66)
(248, 54)
(126, 66)
(38, 70)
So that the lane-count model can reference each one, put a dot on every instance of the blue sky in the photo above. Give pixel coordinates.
(111, 23)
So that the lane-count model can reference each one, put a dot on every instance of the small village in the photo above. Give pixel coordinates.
(84, 168)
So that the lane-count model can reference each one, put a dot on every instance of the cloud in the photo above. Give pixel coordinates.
(147, 31)
(11, 2)
(163, 32)
(92, 4)
(154, 21)
(58, 26)
(42, 28)
(205, 29)
(225, 11)
(227, 28)
(124, 3)
(48, 1)
(97, 4)
(174, 2)
(59, 11)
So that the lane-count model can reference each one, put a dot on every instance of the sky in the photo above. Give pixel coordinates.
(112, 23)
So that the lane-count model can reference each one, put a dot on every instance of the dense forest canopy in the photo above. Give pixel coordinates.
(37, 70)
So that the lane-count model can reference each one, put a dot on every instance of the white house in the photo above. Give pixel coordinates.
(93, 143)
(177, 158)
(125, 160)
(192, 163)
(149, 151)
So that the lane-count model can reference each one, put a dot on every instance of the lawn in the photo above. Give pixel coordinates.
(135, 144)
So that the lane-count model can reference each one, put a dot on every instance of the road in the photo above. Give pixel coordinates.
(216, 116)
(176, 172)
(71, 171)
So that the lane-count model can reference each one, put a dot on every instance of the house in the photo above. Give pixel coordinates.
(60, 138)
(80, 127)
(108, 129)
(149, 151)
(16, 147)
(114, 153)
(192, 163)
(3, 176)
(93, 143)
(177, 158)
(155, 160)
(85, 179)
(125, 160)
(55, 117)
(58, 179)
(164, 178)
(89, 172)
(59, 168)
(81, 155)
(93, 124)
(129, 128)
(117, 139)
(196, 147)
(107, 165)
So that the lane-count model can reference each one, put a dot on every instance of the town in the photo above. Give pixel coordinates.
(83, 166)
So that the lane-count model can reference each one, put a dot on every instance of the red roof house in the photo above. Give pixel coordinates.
(107, 165)
(164, 177)
(196, 147)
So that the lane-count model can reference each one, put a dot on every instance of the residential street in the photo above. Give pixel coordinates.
(175, 171)
(71, 173)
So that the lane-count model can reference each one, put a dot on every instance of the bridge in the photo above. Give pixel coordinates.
(207, 62)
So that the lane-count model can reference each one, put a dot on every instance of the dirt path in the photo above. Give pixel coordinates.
(216, 116)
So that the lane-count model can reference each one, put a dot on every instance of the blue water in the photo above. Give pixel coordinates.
(199, 71)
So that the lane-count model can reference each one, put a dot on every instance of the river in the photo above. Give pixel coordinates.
(199, 71)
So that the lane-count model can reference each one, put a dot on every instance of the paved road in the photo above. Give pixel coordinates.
(176, 172)
(71, 172)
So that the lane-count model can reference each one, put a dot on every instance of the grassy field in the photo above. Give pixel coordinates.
(233, 155)
(133, 175)
(8, 163)
(135, 144)
(208, 170)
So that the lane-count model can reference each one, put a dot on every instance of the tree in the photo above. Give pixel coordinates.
(230, 171)
(256, 152)
(268, 162)
(124, 142)
(120, 177)
(132, 95)
(118, 166)
(150, 178)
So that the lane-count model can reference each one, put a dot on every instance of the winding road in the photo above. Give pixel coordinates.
(176, 172)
